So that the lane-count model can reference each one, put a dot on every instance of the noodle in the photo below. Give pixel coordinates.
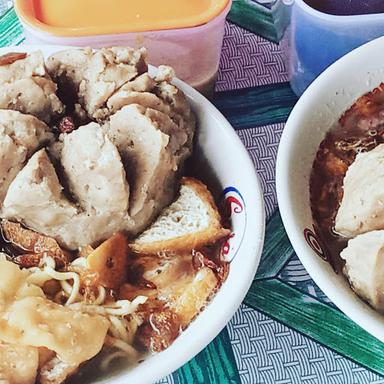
(101, 297)
(66, 276)
(117, 329)
(119, 344)
(108, 359)
(124, 329)
(38, 277)
(153, 325)
(125, 307)
(118, 308)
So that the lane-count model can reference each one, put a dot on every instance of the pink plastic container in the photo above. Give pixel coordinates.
(193, 52)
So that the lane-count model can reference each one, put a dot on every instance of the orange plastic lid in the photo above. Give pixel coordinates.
(98, 17)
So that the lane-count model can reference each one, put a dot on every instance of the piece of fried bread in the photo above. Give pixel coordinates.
(192, 221)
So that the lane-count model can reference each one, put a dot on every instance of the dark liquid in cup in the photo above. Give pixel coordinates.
(347, 7)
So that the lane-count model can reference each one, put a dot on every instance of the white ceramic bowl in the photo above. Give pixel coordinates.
(320, 106)
(224, 161)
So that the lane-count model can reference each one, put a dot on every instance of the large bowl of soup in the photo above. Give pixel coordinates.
(72, 282)
(328, 183)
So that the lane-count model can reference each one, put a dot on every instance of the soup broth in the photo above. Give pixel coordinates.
(360, 129)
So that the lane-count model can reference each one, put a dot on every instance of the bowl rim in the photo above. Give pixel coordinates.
(175, 356)
(366, 320)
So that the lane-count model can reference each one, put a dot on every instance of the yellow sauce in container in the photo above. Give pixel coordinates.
(94, 17)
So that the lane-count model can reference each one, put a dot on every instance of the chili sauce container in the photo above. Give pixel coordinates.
(321, 31)
(185, 34)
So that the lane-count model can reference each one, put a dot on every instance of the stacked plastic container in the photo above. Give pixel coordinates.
(190, 42)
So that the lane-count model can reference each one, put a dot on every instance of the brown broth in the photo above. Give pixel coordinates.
(360, 129)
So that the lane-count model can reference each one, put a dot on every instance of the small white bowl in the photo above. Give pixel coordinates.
(320, 106)
(225, 165)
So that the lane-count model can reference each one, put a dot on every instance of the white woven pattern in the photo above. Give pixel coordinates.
(262, 144)
(268, 352)
(249, 60)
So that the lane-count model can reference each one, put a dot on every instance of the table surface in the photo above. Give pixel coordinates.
(287, 330)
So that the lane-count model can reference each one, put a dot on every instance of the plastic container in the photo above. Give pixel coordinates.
(187, 36)
(317, 39)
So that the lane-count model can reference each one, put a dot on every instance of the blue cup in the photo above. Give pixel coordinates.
(324, 31)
